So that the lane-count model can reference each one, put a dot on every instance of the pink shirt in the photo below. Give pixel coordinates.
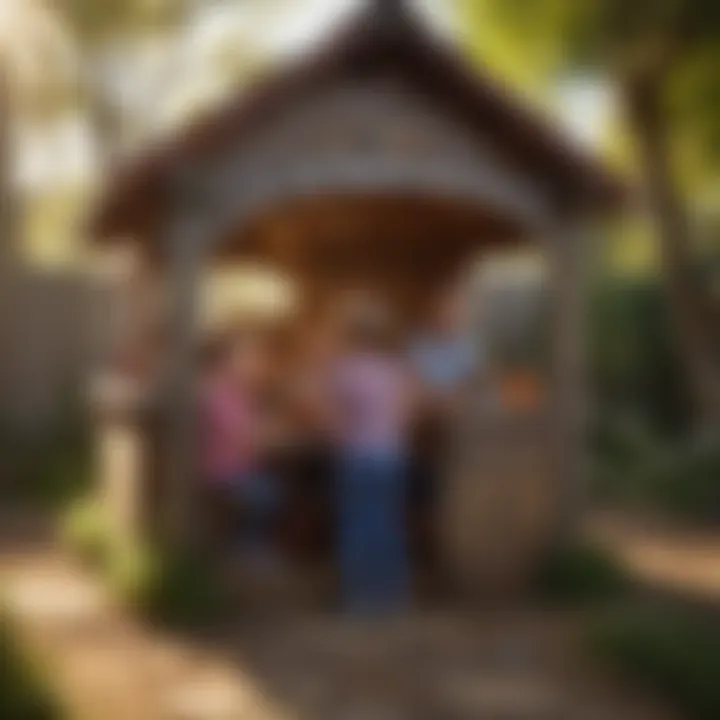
(370, 396)
(228, 450)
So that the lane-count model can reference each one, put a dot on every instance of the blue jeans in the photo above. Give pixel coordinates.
(374, 565)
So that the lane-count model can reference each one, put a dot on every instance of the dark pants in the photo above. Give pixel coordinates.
(374, 565)
(307, 476)
(242, 511)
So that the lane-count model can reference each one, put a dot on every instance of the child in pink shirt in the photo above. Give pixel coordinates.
(242, 493)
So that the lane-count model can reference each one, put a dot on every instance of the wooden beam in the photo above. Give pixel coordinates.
(570, 249)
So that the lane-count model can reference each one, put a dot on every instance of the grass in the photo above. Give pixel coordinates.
(666, 650)
(179, 589)
(581, 572)
(25, 692)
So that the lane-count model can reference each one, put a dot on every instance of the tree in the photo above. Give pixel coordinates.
(36, 63)
(105, 34)
(110, 36)
(650, 49)
(35, 66)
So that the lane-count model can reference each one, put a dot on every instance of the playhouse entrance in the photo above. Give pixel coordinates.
(400, 247)
(403, 250)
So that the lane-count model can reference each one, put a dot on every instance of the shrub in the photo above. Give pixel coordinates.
(624, 451)
(667, 651)
(679, 478)
(633, 354)
(24, 692)
(50, 469)
(181, 589)
(581, 572)
(86, 531)
(684, 481)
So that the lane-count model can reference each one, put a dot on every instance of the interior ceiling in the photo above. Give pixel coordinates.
(341, 238)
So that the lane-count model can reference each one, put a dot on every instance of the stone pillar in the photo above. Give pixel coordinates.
(516, 477)
(498, 502)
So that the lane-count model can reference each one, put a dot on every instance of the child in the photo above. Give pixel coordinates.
(370, 397)
(231, 448)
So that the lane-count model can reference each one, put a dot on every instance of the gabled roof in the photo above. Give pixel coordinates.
(373, 41)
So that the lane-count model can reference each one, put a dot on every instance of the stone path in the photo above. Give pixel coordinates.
(513, 665)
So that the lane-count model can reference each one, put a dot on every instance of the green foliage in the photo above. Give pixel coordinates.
(596, 32)
(668, 651)
(634, 361)
(532, 42)
(51, 219)
(37, 61)
(684, 481)
(173, 589)
(85, 531)
(693, 106)
(624, 449)
(581, 572)
(49, 468)
(95, 22)
(24, 692)
(645, 451)
(57, 475)
(182, 590)
(494, 44)
(678, 478)
(170, 588)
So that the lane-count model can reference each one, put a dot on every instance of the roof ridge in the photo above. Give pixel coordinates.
(390, 12)
(390, 6)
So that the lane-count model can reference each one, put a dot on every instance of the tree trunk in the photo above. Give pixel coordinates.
(690, 307)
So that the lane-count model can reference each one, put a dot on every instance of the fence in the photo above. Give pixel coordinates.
(60, 325)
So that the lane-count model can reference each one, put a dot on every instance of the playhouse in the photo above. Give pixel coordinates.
(382, 159)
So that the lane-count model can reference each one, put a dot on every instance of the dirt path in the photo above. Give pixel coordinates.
(681, 561)
(516, 665)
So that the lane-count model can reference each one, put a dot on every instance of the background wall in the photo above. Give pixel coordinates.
(61, 325)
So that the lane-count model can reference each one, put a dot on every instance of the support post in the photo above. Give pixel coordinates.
(185, 249)
(518, 479)
(570, 252)
(499, 495)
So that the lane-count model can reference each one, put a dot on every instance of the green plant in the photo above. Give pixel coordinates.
(49, 468)
(174, 588)
(581, 572)
(25, 693)
(684, 481)
(679, 478)
(624, 449)
(633, 354)
(666, 650)
(182, 589)
(86, 531)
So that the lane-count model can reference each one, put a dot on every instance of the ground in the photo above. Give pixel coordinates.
(510, 664)
(668, 558)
